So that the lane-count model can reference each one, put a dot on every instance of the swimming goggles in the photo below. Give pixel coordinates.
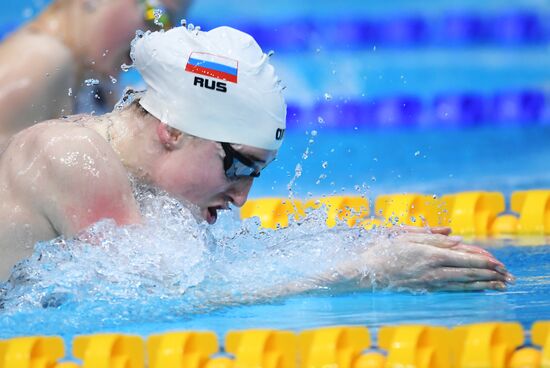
(236, 165)
(155, 14)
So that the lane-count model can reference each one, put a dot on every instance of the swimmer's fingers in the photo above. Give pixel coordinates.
(453, 274)
(462, 282)
(468, 260)
(474, 249)
(440, 230)
(436, 240)
(472, 286)
(440, 285)
(424, 229)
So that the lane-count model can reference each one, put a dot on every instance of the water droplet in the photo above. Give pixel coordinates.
(190, 27)
(373, 179)
(328, 96)
(305, 155)
(157, 13)
(113, 79)
(183, 22)
(126, 67)
(324, 164)
(298, 170)
(313, 133)
(374, 48)
(47, 75)
(70, 92)
(271, 53)
(320, 120)
(91, 82)
(434, 196)
(417, 153)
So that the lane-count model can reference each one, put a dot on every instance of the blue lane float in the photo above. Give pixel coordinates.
(523, 107)
(462, 28)
(513, 28)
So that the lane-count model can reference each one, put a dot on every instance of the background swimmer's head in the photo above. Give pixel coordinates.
(99, 31)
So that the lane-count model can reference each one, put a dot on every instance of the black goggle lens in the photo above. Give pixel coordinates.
(236, 165)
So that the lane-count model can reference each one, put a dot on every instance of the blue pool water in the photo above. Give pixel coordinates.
(330, 149)
(68, 296)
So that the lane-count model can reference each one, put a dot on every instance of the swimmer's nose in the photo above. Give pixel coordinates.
(240, 191)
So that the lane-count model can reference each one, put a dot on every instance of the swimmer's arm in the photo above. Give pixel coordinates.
(412, 261)
(87, 183)
(33, 91)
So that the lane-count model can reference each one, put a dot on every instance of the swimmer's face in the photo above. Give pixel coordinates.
(195, 172)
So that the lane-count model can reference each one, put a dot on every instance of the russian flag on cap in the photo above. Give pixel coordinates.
(214, 66)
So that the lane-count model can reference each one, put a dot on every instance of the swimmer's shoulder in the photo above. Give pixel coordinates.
(79, 177)
(65, 150)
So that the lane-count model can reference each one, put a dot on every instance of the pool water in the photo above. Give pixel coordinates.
(75, 289)
(84, 291)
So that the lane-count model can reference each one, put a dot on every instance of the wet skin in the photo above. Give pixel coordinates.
(58, 177)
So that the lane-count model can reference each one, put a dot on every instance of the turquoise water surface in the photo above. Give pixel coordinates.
(157, 279)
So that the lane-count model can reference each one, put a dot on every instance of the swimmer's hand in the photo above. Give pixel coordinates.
(426, 261)
(439, 237)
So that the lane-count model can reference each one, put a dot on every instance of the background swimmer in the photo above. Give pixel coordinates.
(45, 63)
(200, 144)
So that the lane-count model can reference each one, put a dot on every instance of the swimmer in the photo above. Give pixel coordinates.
(211, 119)
(45, 62)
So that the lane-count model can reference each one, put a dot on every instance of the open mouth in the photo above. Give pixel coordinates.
(211, 214)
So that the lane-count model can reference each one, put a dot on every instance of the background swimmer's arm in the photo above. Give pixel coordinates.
(87, 182)
(35, 75)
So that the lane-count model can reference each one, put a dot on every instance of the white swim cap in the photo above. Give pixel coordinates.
(216, 85)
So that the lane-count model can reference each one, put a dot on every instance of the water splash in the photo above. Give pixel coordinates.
(157, 14)
(170, 266)
(125, 67)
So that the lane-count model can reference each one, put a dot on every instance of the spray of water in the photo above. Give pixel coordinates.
(174, 258)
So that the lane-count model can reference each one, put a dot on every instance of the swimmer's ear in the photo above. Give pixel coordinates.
(169, 137)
